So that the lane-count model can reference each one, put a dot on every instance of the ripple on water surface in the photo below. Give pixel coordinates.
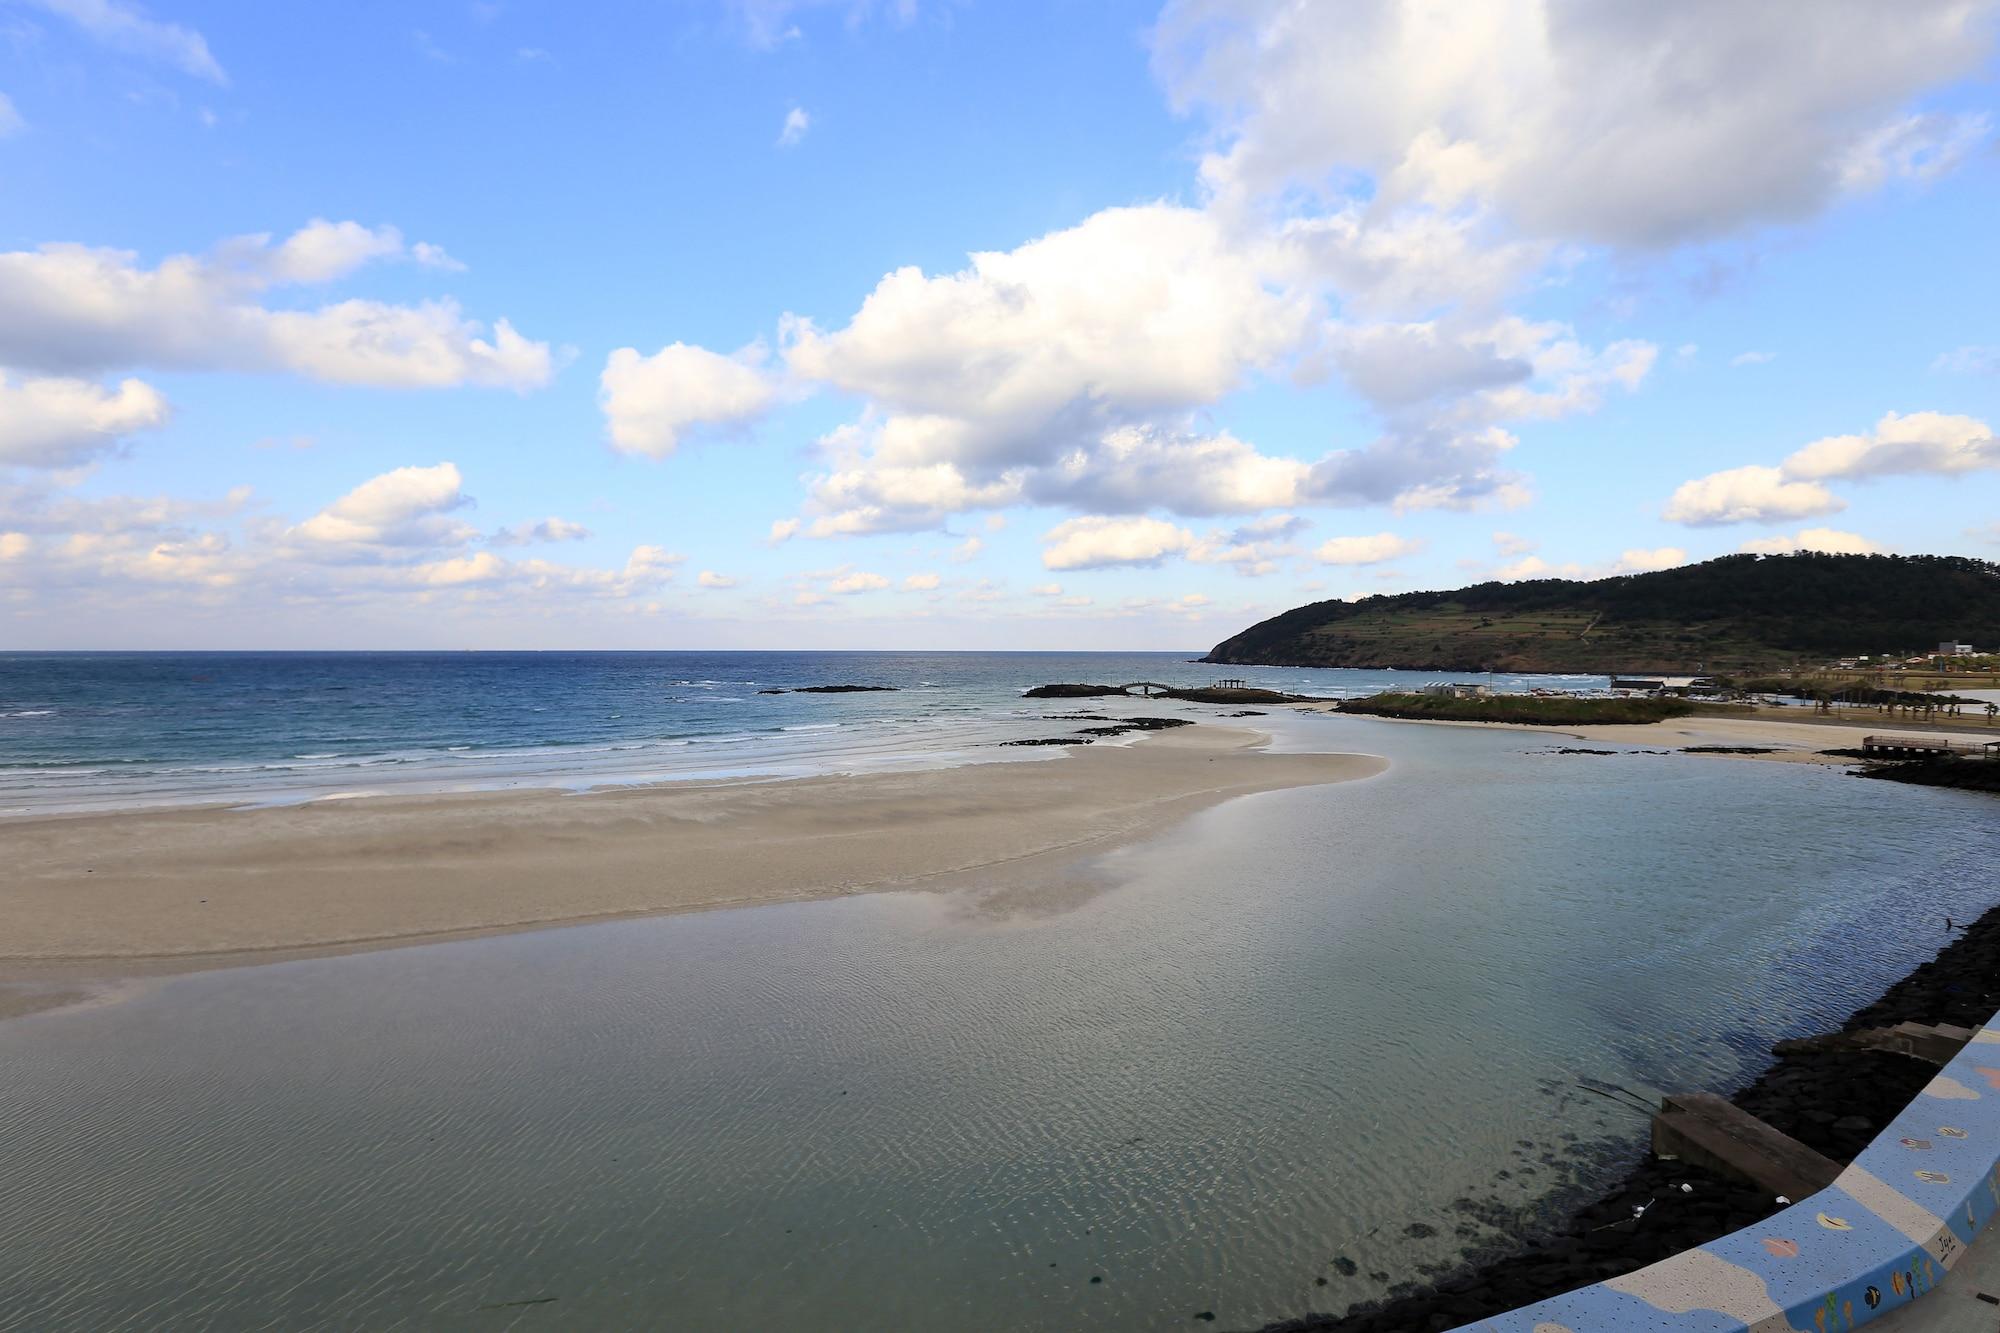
(1333, 1023)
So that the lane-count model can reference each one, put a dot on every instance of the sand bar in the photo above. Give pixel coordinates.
(1795, 736)
(177, 884)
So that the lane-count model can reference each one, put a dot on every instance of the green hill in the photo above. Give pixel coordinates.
(1734, 614)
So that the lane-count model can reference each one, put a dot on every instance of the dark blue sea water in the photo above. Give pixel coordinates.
(97, 730)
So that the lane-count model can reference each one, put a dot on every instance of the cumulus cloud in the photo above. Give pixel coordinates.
(1749, 495)
(61, 422)
(77, 310)
(1930, 443)
(1640, 125)
(1370, 550)
(1831, 540)
(1427, 468)
(1136, 468)
(708, 578)
(1402, 365)
(1101, 541)
(409, 507)
(858, 581)
(392, 537)
(1025, 354)
(797, 122)
(921, 582)
(1919, 442)
(1643, 561)
(651, 402)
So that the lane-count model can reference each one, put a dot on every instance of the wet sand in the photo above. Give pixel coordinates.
(182, 886)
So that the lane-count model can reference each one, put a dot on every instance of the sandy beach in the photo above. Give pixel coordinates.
(190, 884)
(1795, 738)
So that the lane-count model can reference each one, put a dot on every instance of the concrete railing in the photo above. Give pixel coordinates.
(1881, 1235)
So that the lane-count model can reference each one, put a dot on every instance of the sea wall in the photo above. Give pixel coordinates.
(1880, 1236)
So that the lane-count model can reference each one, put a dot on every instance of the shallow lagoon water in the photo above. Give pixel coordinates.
(1294, 1028)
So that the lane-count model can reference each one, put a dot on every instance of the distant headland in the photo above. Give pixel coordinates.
(1739, 613)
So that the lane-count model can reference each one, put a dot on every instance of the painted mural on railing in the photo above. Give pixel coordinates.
(1877, 1238)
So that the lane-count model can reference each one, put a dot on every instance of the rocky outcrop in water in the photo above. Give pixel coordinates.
(834, 689)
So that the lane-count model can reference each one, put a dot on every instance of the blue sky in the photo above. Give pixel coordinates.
(526, 325)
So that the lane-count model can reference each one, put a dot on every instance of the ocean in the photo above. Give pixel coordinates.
(92, 731)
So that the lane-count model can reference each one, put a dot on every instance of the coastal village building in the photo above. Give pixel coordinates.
(1950, 649)
(1458, 691)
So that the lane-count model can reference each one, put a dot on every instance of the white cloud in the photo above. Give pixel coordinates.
(1135, 468)
(797, 122)
(15, 545)
(921, 582)
(125, 27)
(1919, 442)
(1534, 567)
(967, 550)
(858, 581)
(1643, 561)
(1508, 543)
(59, 422)
(392, 537)
(322, 251)
(75, 310)
(1098, 542)
(1752, 358)
(1371, 550)
(1929, 443)
(408, 507)
(1028, 353)
(782, 531)
(545, 530)
(708, 578)
(1046, 590)
(1831, 540)
(1642, 125)
(10, 118)
(1399, 366)
(1749, 495)
(1427, 468)
(651, 402)
(1253, 549)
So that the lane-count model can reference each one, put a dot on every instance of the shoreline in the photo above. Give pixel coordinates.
(1834, 1102)
(1791, 740)
(99, 897)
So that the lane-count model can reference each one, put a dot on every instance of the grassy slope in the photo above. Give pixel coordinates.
(1736, 614)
